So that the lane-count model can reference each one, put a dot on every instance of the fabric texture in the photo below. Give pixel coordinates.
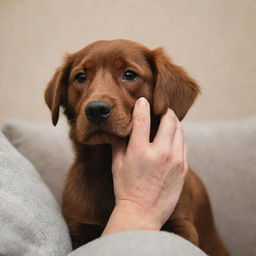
(47, 147)
(138, 243)
(222, 153)
(30, 220)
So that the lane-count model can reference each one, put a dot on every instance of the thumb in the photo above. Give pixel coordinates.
(118, 152)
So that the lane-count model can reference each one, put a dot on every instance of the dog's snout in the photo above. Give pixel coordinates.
(97, 111)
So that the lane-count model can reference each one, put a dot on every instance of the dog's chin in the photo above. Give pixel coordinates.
(98, 138)
(104, 137)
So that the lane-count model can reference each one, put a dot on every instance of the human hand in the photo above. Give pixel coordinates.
(148, 177)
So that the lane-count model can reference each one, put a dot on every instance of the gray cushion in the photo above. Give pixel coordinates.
(30, 219)
(139, 243)
(222, 153)
(47, 147)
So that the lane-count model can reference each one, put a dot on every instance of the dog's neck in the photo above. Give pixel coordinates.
(98, 157)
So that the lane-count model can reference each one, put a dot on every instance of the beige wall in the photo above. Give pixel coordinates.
(214, 40)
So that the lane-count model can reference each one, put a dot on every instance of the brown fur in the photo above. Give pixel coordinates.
(88, 198)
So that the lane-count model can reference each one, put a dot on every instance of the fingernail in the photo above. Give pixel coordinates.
(141, 101)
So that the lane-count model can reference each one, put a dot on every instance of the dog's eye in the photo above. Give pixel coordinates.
(130, 75)
(80, 77)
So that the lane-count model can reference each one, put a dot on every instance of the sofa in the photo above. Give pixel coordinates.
(35, 158)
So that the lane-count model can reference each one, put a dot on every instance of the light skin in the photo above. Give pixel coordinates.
(148, 176)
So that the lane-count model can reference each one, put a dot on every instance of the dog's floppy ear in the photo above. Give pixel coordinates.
(56, 89)
(173, 87)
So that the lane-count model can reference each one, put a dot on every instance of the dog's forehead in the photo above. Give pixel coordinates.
(105, 52)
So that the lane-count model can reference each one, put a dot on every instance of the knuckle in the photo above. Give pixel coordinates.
(139, 148)
(140, 119)
(179, 165)
(163, 157)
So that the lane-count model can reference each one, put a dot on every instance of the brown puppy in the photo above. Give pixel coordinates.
(97, 87)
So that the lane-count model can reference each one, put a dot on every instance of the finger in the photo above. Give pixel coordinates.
(166, 130)
(185, 158)
(141, 123)
(178, 144)
(118, 152)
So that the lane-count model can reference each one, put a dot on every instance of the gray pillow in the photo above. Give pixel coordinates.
(223, 154)
(30, 220)
(47, 147)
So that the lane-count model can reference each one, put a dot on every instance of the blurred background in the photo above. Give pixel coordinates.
(215, 41)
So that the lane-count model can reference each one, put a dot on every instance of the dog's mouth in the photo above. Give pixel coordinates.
(102, 135)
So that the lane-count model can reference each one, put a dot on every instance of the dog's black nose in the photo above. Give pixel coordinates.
(97, 111)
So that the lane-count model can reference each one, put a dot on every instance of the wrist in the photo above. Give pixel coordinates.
(128, 216)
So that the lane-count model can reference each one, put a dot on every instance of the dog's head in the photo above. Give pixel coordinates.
(98, 86)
